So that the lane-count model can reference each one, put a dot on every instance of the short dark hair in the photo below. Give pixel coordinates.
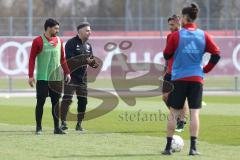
(191, 12)
(50, 23)
(174, 17)
(82, 25)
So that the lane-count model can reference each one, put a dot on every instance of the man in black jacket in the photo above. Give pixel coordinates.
(79, 55)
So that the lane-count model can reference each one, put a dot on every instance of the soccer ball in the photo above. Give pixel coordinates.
(177, 143)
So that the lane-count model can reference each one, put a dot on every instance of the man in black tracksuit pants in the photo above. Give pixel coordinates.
(79, 55)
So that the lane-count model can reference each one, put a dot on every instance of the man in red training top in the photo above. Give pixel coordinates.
(49, 52)
(187, 46)
(174, 25)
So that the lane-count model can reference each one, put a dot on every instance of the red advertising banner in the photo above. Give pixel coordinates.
(14, 53)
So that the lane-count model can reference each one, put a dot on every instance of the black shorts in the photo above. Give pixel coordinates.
(184, 89)
(49, 88)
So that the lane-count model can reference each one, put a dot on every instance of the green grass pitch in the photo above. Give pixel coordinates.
(115, 135)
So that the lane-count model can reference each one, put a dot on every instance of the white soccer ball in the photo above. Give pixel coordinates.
(177, 143)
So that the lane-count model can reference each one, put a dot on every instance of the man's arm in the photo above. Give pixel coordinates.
(36, 48)
(214, 50)
(63, 61)
(171, 45)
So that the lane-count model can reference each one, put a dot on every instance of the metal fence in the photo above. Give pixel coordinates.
(22, 26)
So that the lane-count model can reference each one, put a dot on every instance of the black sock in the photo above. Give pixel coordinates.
(178, 120)
(182, 123)
(193, 143)
(169, 143)
(39, 112)
(82, 105)
(65, 107)
(55, 111)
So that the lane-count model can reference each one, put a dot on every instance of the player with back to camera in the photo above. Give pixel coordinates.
(187, 46)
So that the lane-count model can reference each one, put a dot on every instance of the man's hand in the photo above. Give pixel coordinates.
(31, 82)
(95, 65)
(92, 62)
(68, 78)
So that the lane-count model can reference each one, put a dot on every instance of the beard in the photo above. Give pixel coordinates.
(54, 34)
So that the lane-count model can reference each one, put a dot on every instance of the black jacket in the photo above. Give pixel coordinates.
(76, 54)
